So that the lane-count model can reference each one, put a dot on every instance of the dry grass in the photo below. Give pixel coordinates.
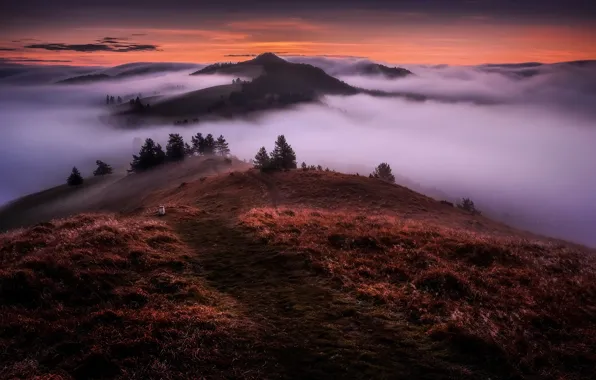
(94, 296)
(519, 307)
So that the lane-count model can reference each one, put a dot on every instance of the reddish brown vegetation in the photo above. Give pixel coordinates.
(519, 306)
(93, 296)
(350, 278)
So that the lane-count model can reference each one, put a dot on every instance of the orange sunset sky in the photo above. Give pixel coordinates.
(75, 36)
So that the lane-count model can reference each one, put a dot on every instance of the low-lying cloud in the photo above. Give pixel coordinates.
(526, 156)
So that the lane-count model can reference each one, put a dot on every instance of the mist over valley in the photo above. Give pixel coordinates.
(519, 143)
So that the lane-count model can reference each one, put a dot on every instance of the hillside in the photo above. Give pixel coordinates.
(299, 274)
(374, 69)
(275, 84)
(128, 70)
(272, 74)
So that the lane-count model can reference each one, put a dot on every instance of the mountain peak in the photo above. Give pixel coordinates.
(268, 58)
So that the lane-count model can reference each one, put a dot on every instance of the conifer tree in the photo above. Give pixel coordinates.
(283, 156)
(119, 100)
(383, 171)
(209, 145)
(304, 166)
(262, 160)
(188, 150)
(150, 155)
(175, 150)
(107, 99)
(198, 144)
(102, 168)
(75, 178)
(222, 146)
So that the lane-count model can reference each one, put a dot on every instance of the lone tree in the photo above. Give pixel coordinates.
(198, 144)
(262, 160)
(107, 99)
(383, 171)
(150, 155)
(283, 156)
(304, 166)
(209, 145)
(175, 150)
(75, 178)
(102, 168)
(221, 146)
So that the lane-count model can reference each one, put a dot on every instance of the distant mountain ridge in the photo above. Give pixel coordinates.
(129, 70)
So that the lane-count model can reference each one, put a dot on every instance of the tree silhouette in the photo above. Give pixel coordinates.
(283, 156)
(102, 168)
(107, 99)
(188, 150)
(262, 160)
(304, 166)
(209, 145)
(468, 205)
(119, 100)
(112, 100)
(150, 155)
(175, 150)
(383, 171)
(221, 146)
(75, 178)
(198, 144)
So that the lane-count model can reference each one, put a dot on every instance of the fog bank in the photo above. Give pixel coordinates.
(527, 158)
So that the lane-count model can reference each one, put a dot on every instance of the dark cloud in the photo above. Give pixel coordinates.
(26, 40)
(109, 44)
(7, 49)
(112, 40)
(138, 34)
(502, 9)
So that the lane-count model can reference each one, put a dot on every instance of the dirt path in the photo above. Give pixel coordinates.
(313, 329)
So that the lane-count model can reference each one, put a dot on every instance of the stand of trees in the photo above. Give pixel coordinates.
(111, 100)
(152, 154)
(282, 157)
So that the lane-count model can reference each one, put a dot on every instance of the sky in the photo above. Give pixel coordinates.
(456, 32)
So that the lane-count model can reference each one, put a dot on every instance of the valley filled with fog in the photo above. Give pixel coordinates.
(518, 140)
